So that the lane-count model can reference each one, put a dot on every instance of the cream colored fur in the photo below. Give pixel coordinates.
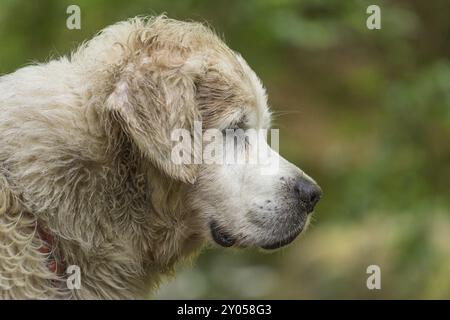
(81, 155)
(85, 153)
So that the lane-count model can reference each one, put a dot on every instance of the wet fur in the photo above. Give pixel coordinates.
(82, 158)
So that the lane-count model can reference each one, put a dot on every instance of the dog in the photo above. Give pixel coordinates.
(86, 176)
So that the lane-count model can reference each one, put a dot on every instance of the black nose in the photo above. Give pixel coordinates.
(308, 192)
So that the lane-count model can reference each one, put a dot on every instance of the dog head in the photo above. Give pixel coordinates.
(175, 74)
(244, 204)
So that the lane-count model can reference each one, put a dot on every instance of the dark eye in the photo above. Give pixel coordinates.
(241, 123)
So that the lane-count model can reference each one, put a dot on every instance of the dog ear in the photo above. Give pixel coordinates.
(150, 100)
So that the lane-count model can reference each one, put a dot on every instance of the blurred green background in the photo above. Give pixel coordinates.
(365, 112)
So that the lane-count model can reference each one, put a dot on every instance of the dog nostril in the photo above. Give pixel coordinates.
(308, 192)
(314, 197)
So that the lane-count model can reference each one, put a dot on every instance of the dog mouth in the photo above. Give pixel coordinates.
(224, 239)
(282, 242)
(220, 236)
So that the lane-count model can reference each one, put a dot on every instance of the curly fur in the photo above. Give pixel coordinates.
(81, 155)
(85, 154)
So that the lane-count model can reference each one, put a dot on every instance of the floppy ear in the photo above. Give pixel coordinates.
(151, 99)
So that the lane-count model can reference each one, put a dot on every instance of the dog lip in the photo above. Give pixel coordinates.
(283, 242)
(220, 236)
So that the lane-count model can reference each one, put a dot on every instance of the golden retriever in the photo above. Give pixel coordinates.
(86, 174)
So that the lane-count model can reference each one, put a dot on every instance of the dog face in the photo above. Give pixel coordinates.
(242, 205)
(178, 73)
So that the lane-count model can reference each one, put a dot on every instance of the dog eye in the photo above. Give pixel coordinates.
(240, 124)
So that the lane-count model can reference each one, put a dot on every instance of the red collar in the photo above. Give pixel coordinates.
(48, 247)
